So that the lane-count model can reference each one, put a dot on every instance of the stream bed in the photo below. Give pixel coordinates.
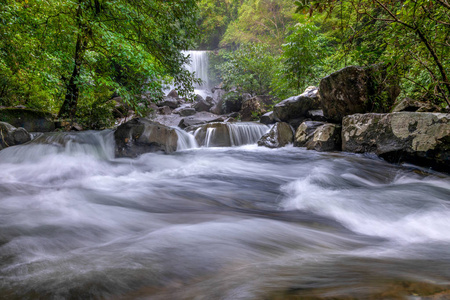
(217, 223)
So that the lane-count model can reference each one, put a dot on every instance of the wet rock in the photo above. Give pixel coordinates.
(408, 104)
(185, 111)
(305, 132)
(357, 90)
(419, 138)
(212, 135)
(267, 118)
(173, 94)
(170, 102)
(279, 136)
(165, 110)
(31, 120)
(325, 138)
(254, 107)
(140, 136)
(316, 115)
(232, 102)
(201, 104)
(11, 136)
(190, 121)
(296, 107)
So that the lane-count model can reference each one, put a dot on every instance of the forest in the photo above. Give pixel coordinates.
(71, 58)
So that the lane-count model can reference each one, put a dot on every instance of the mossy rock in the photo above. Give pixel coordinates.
(31, 120)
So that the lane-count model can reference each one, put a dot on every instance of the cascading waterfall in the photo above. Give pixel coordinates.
(245, 133)
(199, 65)
(185, 140)
(230, 134)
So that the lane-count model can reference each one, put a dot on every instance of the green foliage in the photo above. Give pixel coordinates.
(250, 69)
(78, 50)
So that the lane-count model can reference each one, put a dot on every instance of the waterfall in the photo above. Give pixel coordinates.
(199, 65)
(185, 140)
(229, 134)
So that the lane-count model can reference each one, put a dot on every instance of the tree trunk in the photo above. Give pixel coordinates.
(69, 107)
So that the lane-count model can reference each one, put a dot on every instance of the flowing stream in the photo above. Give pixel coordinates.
(217, 223)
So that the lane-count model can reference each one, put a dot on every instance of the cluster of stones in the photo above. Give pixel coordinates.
(340, 115)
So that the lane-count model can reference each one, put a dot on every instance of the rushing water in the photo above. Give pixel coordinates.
(217, 223)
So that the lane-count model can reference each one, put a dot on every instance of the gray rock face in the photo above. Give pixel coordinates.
(201, 104)
(204, 136)
(419, 138)
(279, 136)
(325, 138)
(190, 121)
(31, 120)
(354, 90)
(11, 136)
(173, 94)
(140, 136)
(170, 102)
(296, 107)
(305, 132)
(217, 102)
(408, 104)
(267, 118)
(164, 110)
(185, 111)
(316, 115)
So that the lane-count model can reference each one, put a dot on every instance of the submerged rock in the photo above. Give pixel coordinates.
(31, 120)
(11, 136)
(354, 90)
(140, 136)
(297, 107)
(279, 136)
(419, 138)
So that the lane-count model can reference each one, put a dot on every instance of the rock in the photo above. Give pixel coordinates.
(217, 102)
(173, 94)
(201, 104)
(253, 108)
(185, 111)
(325, 138)
(408, 104)
(165, 110)
(190, 121)
(297, 106)
(11, 136)
(316, 115)
(232, 102)
(170, 102)
(267, 118)
(140, 136)
(419, 138)
(209, 100)
(31, 120)
(305, 132)
(357, 90)
(279, 136)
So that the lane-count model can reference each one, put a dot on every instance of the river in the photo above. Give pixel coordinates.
(217, 223)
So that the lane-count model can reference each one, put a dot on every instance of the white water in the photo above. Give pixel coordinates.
(214, 223)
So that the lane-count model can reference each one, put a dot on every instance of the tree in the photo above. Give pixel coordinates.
(409, 35)
(124, 46)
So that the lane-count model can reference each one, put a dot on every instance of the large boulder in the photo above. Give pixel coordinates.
(408, 104)
(190, 121)
(173, 94)
(184, 111)
(11, 136)
(254, 107)
(140, 136)
(305, 132)
(202, 104)
(296, 107)
(217, 102)
(267, 118)
(420, 138)
(325, 138)
(31, 120)
(232, 101)
(357, 90)
(170, 102)
(212, 135)
(279, 135)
